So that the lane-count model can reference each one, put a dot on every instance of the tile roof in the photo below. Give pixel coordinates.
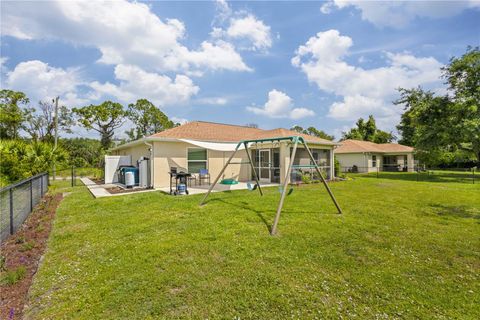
(219, 132)
(355, 146)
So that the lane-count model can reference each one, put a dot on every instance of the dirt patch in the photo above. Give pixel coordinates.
(20, 256)
(115, 190)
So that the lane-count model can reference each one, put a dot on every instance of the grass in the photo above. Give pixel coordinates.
(456, 176)
(401, 249)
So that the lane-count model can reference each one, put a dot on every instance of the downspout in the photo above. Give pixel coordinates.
(332, 163)
(365, 161)
(152, 163)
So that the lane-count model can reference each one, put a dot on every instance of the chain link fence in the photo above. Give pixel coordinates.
(18, 200)
(417, 173)
(73, 175)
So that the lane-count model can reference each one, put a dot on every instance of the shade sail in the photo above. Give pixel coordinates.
(217, 146)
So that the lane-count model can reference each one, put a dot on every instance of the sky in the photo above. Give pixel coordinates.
(275, 64)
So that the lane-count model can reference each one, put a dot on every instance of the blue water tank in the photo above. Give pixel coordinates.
(124, 170)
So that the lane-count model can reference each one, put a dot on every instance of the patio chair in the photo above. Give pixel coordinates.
(193, 177)
(203, 175)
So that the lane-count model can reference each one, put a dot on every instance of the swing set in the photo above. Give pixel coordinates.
(295, 140)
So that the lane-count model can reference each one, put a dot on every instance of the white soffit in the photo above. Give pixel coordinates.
(214, 145)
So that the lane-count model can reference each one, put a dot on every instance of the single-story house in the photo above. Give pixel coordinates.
(200, 145)
(366, 156)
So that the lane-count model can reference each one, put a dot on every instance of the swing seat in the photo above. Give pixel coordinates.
(251, 187)
(229, 181)
(280, 189)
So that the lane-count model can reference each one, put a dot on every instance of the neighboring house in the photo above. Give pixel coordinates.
(205, 145)
(370, 157)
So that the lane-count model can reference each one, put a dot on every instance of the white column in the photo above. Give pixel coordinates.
(332, 163)
(284, 161)
(410, 162)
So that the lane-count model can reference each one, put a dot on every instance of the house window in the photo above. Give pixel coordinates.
(374, 161)
(197, 159)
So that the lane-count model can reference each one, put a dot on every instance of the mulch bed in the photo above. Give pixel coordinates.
(98, 181)
(24, 249)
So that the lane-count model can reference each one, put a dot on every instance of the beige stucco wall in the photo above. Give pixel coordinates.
(136, 152)
(174, 154)
(348, 160)
(370, 166)
(169, 154)
(362, 160)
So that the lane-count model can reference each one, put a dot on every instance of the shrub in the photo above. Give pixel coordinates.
(3, 263)
(336, 167)
(20, 239)
(22, 159)
(13, 276)
(27, 246)
(306, 178)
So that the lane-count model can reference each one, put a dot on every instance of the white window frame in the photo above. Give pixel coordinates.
(206, 160)
(374, 161)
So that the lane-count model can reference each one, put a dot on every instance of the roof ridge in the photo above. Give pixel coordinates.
(225, 124)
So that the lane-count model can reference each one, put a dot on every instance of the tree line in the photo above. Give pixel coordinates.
(27, 133)
(444, 129)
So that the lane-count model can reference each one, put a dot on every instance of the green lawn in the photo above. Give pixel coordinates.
(402, 249)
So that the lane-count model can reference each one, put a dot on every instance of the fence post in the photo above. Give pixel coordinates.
(11, 211)
(377, 172)
(72, 175)
(473, 175)
(418, 171)
(31, 195)
(41, 187)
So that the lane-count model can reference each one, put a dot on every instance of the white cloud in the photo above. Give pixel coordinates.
(124, 32)
(326, 8)
(219, 101)
(223, 11)
(252, 29)
(243, 28)
(136, 83)
(398, 14)
(364, 91)
(42, 82)
(179, 120)
(280, 105)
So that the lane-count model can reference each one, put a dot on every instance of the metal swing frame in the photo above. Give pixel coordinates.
(293, 139)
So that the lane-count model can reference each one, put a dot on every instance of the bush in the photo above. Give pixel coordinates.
(13, 276)
(306, 178)
(27, 246)
(22, 159)
(336, 167)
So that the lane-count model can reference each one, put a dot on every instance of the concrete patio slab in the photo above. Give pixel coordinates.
(220, 187)
(100, 190)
